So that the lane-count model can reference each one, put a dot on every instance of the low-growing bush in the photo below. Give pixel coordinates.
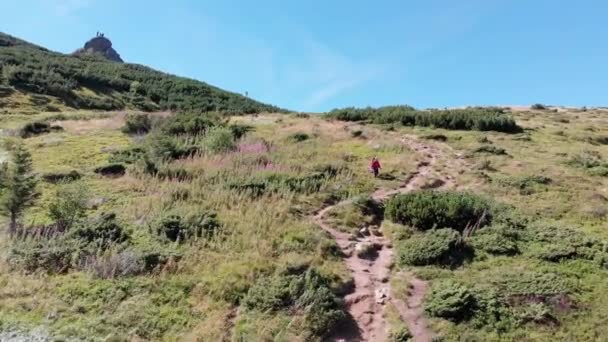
(427, 209)
(137, 124)
(497, 240)
(490, 149)
(450, 300)
(194, 226)
(53, 255)
(61, 177)
(400, 335)
(555, 243)
(101, 232)
(298, 137)
(481, 119)
(219, 140)
(189, 124)
(127, 156)
(437, 137)
(527, 184)
(307, 293)
(34, 128)
(69, 205)
(435, 247)
(111, 170)
(356, 134)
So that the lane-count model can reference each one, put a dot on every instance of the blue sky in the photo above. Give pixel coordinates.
(317, 55)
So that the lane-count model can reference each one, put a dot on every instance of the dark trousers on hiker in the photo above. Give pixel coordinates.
(376, 172)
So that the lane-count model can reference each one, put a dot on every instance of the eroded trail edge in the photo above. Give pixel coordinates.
(367, 303)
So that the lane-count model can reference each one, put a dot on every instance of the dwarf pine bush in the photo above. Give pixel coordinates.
(425, 210)
(479, 119)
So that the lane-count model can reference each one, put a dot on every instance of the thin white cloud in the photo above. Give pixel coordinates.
(67, 7)
(325, 73)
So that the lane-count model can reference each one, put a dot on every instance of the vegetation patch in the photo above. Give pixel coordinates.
(491, 149)
(427, 209)
(111, 170)
(450, 300)
(137, 124)
(298, 137)
(435, 247)
(34, 128)
(61, 177)
(480, 119)
(194, 226)
(306, 292)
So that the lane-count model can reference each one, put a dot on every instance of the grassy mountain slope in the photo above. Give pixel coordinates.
(52, 80)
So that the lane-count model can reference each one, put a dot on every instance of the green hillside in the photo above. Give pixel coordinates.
(50, 80)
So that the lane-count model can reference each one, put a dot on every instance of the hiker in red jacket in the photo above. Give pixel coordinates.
(375, 166)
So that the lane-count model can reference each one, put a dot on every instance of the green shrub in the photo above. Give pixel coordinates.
(523, 283)
(111, 170)
(527, 184)
(481, 119)
(61, 177)
(53, 255)
(137, 124)
(428, 209)
(600, 171)
(161, 147)
(556, 243)
(100, 233)
(298, 137)
(308, 293)
(450, 300)
(437, 137)
(219, 140)
(34, 128)
(400, 335)
(356, 134)
(127, 156)
(490, 149)
(189, 124)
(69, 205)
(497, 240)
(177, 228)
(435, 247)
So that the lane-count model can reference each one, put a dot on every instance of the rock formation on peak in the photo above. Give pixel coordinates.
(100, 45)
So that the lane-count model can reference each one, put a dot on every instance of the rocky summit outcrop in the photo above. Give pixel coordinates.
(100, 45)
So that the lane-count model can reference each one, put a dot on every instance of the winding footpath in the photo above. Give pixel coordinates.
(367, 303)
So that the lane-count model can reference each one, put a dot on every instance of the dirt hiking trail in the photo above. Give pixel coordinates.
(367, 303)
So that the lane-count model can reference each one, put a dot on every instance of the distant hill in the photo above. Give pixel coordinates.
(91, 81)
